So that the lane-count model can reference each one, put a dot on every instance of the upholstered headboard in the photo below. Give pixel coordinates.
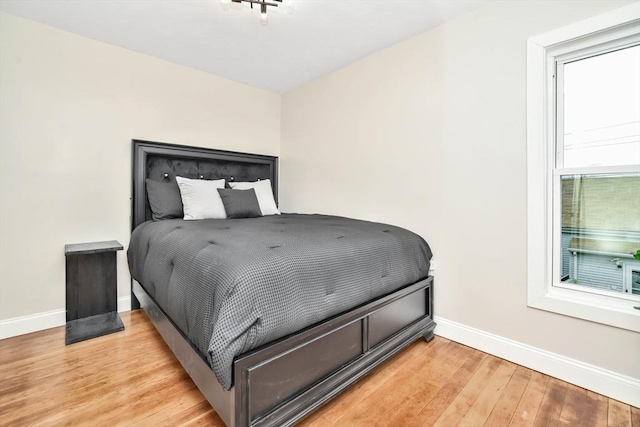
(160, 161)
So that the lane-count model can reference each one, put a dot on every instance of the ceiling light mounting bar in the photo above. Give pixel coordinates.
(260, 2)
(288, 6)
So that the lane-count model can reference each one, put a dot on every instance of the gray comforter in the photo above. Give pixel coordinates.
(232, 285)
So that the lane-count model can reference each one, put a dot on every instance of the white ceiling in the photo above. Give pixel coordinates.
(319, 37)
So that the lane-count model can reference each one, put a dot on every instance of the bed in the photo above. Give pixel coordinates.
(274, 376)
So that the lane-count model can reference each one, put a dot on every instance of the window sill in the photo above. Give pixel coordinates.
(603, 309)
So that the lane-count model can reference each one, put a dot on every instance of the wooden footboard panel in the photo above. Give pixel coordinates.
(280, 384)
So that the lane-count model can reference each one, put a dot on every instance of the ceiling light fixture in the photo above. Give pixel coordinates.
(264, 19)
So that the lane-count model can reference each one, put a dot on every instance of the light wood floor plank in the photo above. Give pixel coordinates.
(573, 408)
(442, 400)
(454, 414)
(104, 410)
(552, 402)
(428, 381)
(618, 414)
(635, 417)
(390, 393)
(131, 378)
(428, 385)
(208, 419)
(362, 389)
(502, 412)
(492, 390)
(202, 408)
(527, 409)
(87, 373)
(596, 408)
(87, 381)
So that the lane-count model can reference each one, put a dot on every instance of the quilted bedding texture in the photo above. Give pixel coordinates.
(233, 285)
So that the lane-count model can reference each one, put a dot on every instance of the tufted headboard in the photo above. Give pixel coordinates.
(160, 161)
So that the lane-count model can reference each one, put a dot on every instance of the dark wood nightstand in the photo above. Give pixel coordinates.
(92, 290)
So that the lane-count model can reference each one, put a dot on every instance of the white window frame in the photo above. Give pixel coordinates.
(543, 51)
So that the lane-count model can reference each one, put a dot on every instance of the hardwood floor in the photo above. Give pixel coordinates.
(131, 378)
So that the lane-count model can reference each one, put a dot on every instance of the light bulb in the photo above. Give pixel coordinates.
(264, 19)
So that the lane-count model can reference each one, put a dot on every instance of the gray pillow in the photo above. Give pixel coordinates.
(240, 203)
(164, 199)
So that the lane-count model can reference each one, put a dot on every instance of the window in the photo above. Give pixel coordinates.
(583, 148)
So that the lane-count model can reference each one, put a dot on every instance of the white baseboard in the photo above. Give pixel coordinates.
(41, 321)
(31, 323)
(608, 383)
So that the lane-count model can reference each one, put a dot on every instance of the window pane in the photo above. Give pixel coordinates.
(602, 110)
(600, 231)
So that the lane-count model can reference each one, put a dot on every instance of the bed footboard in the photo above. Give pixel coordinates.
(280, 383)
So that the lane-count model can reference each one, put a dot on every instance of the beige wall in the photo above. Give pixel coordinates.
(431, 135)
(69, 109)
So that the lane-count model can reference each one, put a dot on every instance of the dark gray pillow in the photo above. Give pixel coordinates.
(164, 199)
(240, 203)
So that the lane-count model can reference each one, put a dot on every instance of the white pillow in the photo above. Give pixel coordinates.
(264, 193)
(200, 198)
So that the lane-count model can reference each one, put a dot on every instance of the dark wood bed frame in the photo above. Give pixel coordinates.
(279, 383)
